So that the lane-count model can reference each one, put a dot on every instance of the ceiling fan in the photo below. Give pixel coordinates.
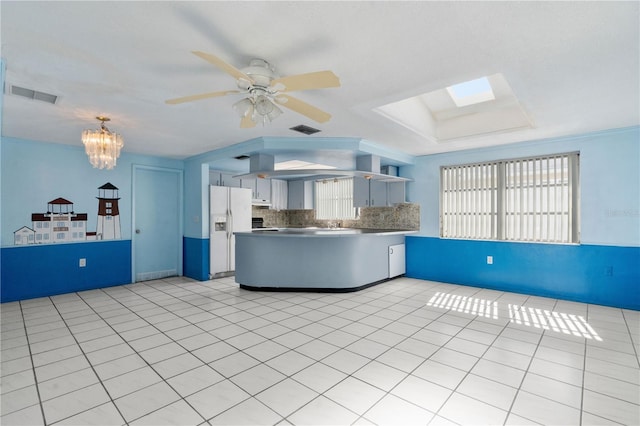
(265, 89)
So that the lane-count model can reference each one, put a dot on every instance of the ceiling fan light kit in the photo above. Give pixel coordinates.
(264, 89)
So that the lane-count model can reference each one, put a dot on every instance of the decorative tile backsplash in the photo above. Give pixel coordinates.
(404, 216)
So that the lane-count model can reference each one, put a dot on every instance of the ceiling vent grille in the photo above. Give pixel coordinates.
(33, 94)
(304, 129)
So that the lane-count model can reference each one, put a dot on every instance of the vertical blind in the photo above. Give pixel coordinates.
(530, 199)
(279, 194)
(334, 199)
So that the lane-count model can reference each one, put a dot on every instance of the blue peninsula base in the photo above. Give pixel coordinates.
(314, 260)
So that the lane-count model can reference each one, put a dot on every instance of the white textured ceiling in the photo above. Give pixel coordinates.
(574, 66)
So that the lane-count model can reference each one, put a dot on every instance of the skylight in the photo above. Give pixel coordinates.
(460, 110)
(471, 92)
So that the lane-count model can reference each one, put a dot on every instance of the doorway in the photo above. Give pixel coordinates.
(157, 223)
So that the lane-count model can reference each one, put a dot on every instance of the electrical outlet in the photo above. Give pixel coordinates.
(82, 263)
(489, 260)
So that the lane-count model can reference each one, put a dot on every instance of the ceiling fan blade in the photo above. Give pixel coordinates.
(200, 96)
(312, 80)
(247, 120)
(228, 68)
(303, 108)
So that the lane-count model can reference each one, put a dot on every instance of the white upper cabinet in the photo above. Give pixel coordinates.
(300, 194)
(376, 193)
(227, 179)
(218, 178)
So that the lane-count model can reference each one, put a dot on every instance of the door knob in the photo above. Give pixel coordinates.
(137, 231)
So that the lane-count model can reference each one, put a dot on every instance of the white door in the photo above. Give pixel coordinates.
(157, 223)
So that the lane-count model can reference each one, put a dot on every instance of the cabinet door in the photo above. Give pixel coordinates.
(263, 189)
(227, 179)
(214, 178)
(396, 260)
(307, 196)
(377, 193)
(395, 193)
(300, 194)
(296, 195)
(360, 192)
(251, 184)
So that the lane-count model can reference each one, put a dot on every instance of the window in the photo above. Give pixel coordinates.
(471, 92)
(530, 199)
(334, 199)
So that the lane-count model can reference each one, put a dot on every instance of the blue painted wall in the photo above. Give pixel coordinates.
(604, 275)
(49, 269)
(602, 269)
(33, 173)
(196, 258)
(3, 69)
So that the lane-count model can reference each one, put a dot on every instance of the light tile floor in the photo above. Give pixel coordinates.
(182, 352)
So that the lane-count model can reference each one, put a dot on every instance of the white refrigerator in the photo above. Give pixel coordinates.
(229, 212)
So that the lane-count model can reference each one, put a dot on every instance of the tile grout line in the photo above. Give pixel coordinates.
(33, 368)
(92, 365)
(92, 369)
(633, 344)
(387, 393)
(173, 302)
(471, 368)
(151, 366)
(533, 355)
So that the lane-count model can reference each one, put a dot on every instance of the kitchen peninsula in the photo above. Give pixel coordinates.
(318, 259)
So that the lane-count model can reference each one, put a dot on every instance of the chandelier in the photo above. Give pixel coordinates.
(102, 146)
(258, 106)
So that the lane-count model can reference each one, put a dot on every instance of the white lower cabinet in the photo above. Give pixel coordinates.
(396, 260)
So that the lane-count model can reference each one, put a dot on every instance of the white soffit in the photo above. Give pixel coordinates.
(300, 165)
(437, 117)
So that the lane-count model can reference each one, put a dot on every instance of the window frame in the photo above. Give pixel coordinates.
(503, 183)
(345, 199)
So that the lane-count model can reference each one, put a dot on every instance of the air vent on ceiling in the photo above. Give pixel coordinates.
(242, 157)
(33, 94)
(305, 129)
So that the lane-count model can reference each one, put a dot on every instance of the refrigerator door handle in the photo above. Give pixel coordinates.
(229, 238)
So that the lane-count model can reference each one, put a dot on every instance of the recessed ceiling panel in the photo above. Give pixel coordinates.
(476, 107)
